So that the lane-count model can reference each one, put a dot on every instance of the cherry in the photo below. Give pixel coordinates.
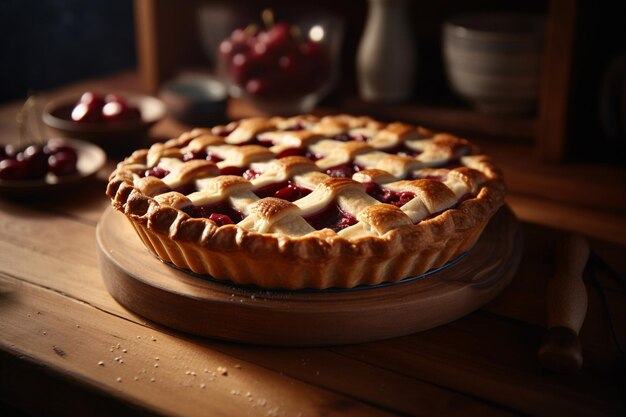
(62, 163)
(213, 158)
(241, 68)
(220, 219)
(116, 108)
(12, 169)
(346, 220)
(90, 97)
(251, 174)
(188, 156)
(54, 146)
(35, 160)
(231, 170)
(88, 108)
(342, 171)
(84, 112)
(257, 87)
(156, 172)
(279, 36)
(290, 152)
(291, 192)
(398, 199)
(331, 217)
(8, 151)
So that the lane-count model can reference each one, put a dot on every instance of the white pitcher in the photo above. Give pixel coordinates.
(386, 58)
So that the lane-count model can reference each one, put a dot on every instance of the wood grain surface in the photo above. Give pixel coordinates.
(58, 322)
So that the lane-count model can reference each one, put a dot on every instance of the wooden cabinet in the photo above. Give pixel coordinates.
(168, 42)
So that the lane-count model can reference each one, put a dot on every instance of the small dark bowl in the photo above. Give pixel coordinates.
(109, 135)
(200, 101)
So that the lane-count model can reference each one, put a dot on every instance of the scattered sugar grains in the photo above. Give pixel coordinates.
(119, 379)
(101, 363)
(222, 370)
(203, 385)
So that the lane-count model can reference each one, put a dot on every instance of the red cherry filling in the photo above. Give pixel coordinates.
(251, 174)
(220, 213)
(286, 190)
(313, 156)
(291, 192)
(156, 172)
(290, 152)
(230, 170)
(220, 219)
(343, 170)
(332, 217)
(398, 199)
(201, 154)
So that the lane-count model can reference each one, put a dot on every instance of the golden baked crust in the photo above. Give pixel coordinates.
(413, 200)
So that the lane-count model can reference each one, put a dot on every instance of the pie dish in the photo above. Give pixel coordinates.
(308, 202)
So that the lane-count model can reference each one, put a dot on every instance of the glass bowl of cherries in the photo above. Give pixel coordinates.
(110, 120)
(282, 67)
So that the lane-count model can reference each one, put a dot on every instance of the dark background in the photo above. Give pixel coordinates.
(48, 43)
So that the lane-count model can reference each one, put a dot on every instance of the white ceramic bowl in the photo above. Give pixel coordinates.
(493, 60)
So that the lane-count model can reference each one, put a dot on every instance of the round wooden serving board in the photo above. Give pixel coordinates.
(206, 307)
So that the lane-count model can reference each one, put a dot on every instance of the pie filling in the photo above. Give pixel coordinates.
(221, 213)
(332, 217)
(398, 199)
(346, 170)
(287, 190)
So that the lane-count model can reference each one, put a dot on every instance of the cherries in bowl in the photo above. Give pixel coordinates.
(113, 120)
(285, 65)
(47, 165)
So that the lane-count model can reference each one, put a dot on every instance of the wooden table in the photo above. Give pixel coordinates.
(68, 348)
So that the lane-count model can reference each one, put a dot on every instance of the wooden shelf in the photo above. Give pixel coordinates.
(456, 119)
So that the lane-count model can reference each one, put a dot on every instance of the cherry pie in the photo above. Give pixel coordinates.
(308, 202)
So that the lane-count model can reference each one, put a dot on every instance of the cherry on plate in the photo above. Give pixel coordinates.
(12, 169)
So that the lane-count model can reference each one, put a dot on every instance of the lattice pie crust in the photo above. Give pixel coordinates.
(308, 202)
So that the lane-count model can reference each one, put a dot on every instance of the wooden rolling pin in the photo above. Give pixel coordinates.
(566, 307)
